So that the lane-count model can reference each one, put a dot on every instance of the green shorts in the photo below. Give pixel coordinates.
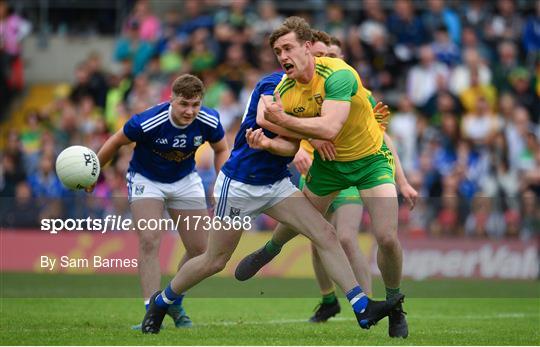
(326, 177)
(345, 197)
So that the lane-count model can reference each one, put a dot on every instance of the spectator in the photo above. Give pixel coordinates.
(97, 80)
(215, 88)
(481, 125)
(520, 80)
(232, 70)
(507, 24)
(484, 220)
(44, 183)
(269, 19)
(402, 127)
(130, 46)
(531, 36)
(201, 57)
(148, 23)
(407, 29)
(421, 80)
(11, 166)
(438, 15)
(461, 75)
(81, 87)
(506, 62)
(475, 14)
(530, 225)
(476, 90)
(445, 50)
(470, 40)
(384, 65)
(172, 61)
(13, 29)
(229, 109)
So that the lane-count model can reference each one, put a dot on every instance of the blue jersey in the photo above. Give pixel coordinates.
(164, 151)
(253, 166)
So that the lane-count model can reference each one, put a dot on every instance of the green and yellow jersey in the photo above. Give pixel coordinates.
(334, 79)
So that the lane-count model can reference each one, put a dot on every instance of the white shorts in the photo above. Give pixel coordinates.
(184, 194)
(235, 198)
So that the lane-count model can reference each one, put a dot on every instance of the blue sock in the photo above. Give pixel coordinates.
(178, 302)
(167, 297)
(146, 304)
(358, 299)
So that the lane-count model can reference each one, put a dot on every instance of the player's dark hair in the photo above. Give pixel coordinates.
(187, 86)
(297, 25)
(335, 41)
(320, 36)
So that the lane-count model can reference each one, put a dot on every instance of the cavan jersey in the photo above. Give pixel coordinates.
(164, 151)
(253, 166)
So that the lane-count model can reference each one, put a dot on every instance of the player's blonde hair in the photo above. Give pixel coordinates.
(187, 86)
(294, 24)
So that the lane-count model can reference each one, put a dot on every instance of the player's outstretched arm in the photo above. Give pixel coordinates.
(409, 193)
(109, 149)
(278, 145)
(221, 153)
(111, 146)
(276, 129)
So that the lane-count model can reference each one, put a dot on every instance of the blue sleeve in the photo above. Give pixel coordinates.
(133, 129)
(268, 85)
(215, 134)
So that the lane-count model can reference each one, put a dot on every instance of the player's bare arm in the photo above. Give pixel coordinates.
(333, 115)
(409, 193)
(109, 150)
(111, 146)
(278, 145)
(221, 153)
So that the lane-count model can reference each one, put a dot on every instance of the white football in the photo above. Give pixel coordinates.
(77, 167)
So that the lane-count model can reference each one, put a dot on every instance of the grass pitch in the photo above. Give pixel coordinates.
(264, 316)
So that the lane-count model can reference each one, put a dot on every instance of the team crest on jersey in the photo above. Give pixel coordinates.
(234, 212)
(197, 141)
(318, 99)
(139, 189)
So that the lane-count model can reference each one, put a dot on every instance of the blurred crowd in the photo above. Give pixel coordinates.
(462, 79)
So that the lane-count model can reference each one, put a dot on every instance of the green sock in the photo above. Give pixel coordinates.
(329, 298)
(272, 247)
(391, 292)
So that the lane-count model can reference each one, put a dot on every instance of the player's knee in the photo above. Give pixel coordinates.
(387, 241)
(218, 263)
(348, 242)
(148, 245)
(195, 250)
(327, 237)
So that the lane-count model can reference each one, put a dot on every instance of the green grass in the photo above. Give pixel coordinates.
(223, 318)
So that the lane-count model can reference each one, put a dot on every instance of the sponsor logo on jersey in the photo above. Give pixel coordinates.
(299, 109)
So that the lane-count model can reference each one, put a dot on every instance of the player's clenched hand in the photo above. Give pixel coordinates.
(326, 149)
(302, 161)
(256, 139)
(273, 111)
(382, 114)
(409, 193)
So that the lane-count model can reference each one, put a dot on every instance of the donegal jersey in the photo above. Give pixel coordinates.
(164, 151)
(334, 79)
